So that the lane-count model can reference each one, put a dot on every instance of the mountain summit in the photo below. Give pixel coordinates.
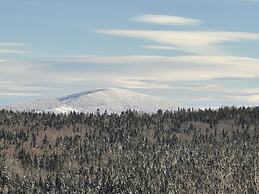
(111, 99)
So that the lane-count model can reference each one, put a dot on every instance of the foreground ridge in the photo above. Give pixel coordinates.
(182, 152)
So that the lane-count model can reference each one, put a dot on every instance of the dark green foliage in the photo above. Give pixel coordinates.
(187, 151)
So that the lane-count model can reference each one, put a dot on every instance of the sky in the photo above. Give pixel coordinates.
(202, 53)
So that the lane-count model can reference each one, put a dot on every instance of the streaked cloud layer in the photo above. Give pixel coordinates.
(11, 44)
(166, 20)
(200, 42)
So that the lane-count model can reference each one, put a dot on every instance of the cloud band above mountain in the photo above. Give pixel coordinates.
(166, 20)
(200, 42)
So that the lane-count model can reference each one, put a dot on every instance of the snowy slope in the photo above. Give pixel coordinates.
(39, 105)
(111, 99)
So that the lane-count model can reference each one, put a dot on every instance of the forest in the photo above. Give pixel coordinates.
(179, 152)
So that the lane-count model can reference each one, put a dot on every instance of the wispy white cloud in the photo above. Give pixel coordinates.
(9, 66)
(133, 83)
(166, 20)
(16, 88)
(173, 68)
(13, 51)
(34, 91)
(201, 42)
(127, 72)
(102, 59)
(139, 59)
(12, 44)
(161, 47)
(12, 48)
(33, 73)
(251, 98)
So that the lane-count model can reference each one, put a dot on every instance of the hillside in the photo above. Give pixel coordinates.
(111, 99)
(205, 151)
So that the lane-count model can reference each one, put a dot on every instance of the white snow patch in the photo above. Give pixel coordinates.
(113, 100)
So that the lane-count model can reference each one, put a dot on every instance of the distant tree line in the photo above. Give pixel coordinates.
(183, 151)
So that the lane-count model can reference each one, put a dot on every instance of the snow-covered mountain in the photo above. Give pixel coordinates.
(111, 99)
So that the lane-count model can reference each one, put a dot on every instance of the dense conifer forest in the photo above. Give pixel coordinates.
(185, 151)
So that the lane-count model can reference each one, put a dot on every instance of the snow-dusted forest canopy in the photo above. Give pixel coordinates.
(186, 151)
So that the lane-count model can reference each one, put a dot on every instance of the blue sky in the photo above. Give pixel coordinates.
(199, 53)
